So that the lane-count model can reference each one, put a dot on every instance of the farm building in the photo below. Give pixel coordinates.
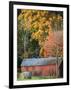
(41, 66)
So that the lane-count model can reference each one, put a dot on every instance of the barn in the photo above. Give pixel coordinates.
(41, 66)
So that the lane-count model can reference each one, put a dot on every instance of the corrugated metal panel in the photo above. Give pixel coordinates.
(39, 61)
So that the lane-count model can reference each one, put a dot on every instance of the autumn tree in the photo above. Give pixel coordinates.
(36, 21)
(54, 46)
(39, 23)
(56, 20)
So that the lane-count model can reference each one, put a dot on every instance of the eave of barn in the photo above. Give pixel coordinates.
(40, 61)
(40, 65)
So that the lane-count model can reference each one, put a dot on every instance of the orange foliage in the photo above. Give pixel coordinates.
(54, 45)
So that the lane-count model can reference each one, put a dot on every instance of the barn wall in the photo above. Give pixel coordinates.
(41, 70)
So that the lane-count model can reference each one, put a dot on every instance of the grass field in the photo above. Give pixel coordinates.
(37, 78)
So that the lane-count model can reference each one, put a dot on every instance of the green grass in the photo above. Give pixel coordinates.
(37, 78)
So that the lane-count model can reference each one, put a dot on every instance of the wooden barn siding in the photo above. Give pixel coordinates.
(41, 70)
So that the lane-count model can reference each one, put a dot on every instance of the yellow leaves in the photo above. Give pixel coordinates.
(40, 27)
(59, 17)
(33, 19)
(40, 32)
(38, 13)
(39, 24)
(20, 16)
(41, 52)
(35, 25)
(54, 17)
(37, 35)
(50, 19)
(33, 35)
(26, 15)
(47, 23)
(42, 21)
